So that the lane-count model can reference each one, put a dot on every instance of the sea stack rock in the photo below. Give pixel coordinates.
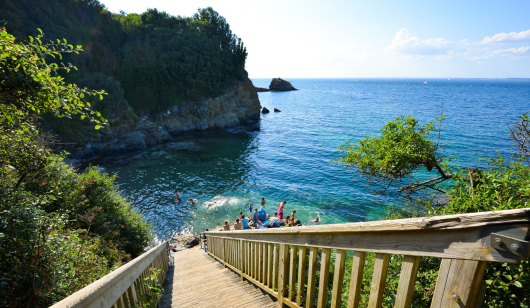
(280, 85)
(265, 110)
(276, 110)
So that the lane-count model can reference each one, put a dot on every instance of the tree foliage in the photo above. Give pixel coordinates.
(59, 229)
(159, 60)
(403, 151)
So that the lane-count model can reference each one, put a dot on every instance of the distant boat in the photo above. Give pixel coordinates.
(425, 82)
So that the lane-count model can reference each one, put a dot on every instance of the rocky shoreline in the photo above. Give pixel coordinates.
(239, 104)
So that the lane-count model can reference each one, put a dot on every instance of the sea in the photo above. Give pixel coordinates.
(289, 155)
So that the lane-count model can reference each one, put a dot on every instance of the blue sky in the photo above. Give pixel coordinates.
(340, 39)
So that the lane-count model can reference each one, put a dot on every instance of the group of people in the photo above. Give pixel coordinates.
(259, 219)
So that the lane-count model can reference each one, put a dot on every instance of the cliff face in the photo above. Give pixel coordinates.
(239, 103)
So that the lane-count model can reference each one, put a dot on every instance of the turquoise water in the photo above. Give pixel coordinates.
(288, 155)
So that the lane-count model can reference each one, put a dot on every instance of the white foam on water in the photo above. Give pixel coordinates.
(219, 201)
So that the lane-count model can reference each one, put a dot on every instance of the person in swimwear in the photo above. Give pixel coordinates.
(280, 209)
(178, 199)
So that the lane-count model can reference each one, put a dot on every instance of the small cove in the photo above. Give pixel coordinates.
(288, 155)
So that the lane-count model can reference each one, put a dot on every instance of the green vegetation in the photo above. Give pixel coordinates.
(403, 157)
(59, 229)
(145, 62)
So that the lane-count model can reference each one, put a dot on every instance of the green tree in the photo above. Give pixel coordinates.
(59, 229)
(405, 151)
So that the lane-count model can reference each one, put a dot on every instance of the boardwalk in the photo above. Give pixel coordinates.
(197, 280)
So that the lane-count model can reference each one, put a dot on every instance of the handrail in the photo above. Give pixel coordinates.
(119, 288)
(282, 261)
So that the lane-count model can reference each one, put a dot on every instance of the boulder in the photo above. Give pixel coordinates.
(280, 85)
(265, 110)
(276, 110)
(187, 240)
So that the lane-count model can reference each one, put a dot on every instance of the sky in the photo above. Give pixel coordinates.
(365, 39)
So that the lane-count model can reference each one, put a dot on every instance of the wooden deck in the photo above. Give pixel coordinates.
(197, 280)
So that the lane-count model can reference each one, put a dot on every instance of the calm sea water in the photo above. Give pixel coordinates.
(288, 155)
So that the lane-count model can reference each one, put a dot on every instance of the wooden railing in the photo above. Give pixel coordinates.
(120, 289)
(277, 260)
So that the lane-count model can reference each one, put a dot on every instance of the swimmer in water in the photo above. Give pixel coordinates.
(192, 201)
(178, 199)
(316, 220)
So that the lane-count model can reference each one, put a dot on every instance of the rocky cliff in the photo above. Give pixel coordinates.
(240, 103)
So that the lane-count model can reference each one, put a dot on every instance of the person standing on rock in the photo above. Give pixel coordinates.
(255, 219)
(250, 209)
(280, 209)
(178, 196)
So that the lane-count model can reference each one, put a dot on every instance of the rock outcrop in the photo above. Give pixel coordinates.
(280, 85)
(240, 103)
(276, 110)
(187, 240)
(265, 110)
(258, 89)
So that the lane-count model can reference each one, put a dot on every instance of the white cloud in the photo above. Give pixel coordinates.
(512, 37)
(514, 53)
(404, 44)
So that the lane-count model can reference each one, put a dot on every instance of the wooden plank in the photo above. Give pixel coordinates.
(407, 278)
(269, 266)
(283, 273)
(264, 263)
(302, 265)
(357, 270)
(198, 281)
(132, 295)
(338, 279)
(247, 247)
(275, 267)
(262, 286)
(447, 222)
(223, 241)
(465, 244)
(378, 280)
(481, 295)
(106, 291)
(311, 277)
(260, 262)
(255, 260)
(242, 258)
(292, 273)
(454, 291)
(324, 276)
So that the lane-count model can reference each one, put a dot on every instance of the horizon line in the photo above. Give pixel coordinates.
(522, 78)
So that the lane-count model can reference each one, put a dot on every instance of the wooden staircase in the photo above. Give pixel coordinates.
(290, 267)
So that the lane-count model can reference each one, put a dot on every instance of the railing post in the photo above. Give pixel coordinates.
(302, 264)
(452, 289)
(311, 277)
(241, 258)
(282, 283)
(223, 242)
(324, 276)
